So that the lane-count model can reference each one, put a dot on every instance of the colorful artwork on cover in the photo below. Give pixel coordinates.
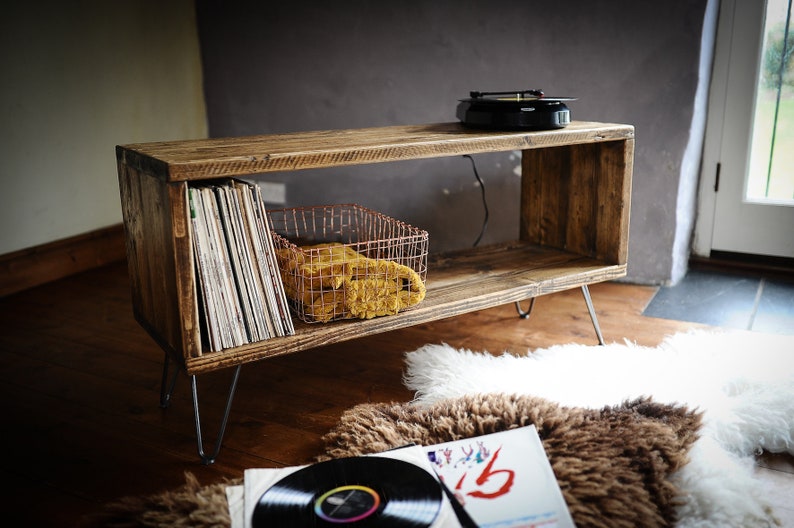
(503, 480)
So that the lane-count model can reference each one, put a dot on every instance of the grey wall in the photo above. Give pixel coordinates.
(291, 66)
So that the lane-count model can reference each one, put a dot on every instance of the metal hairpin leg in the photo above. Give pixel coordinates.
(204, 458)
(521, 313)
(588, 301)
(166, 389)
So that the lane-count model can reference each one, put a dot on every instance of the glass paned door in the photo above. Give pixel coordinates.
(746, 200)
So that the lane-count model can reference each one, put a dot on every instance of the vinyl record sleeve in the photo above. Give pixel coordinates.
(502, 479)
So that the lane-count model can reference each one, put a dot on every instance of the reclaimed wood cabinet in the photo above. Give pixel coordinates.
(573, 224)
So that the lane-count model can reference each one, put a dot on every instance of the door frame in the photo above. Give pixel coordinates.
(712, 144)
(703, 235)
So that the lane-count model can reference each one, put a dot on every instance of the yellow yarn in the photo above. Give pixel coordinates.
(332, 281)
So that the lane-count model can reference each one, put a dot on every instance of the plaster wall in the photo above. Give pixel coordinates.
(79, 78)
(291, 66)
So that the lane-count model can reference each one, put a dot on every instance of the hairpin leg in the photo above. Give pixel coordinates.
(521, 313)
(205, 459)
(167, 389)
(589, 302)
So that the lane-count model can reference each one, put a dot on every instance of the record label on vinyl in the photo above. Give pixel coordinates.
(359, 491)
(347, 504)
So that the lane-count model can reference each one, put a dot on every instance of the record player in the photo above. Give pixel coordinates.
(517, 110)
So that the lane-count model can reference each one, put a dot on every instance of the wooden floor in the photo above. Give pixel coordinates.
(80, 384)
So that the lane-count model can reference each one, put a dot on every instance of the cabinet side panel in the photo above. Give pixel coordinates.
(616, 165)
(576, 198)
(185, 271)
(150, 256)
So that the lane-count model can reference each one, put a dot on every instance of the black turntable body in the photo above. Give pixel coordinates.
(517, 110)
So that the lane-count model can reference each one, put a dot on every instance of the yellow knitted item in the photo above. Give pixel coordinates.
(332, 281)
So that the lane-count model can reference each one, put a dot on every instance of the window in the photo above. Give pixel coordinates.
(771, 170)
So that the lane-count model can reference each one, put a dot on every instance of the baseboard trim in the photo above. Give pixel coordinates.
(739, 263)
(38, 265)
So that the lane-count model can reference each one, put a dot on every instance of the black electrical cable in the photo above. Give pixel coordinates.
(484, 201)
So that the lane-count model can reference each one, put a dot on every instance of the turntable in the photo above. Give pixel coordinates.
(518, 110)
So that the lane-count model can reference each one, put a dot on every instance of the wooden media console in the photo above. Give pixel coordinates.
(573, 226)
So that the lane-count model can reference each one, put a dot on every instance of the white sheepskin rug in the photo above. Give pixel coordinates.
(743, 382)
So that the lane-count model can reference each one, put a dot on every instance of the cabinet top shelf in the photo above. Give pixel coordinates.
(198, 159)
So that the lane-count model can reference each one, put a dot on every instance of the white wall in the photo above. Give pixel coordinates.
(76, 79)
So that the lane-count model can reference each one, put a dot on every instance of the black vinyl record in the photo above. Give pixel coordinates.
(358, 491)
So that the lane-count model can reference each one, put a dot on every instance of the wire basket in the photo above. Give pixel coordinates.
(347, 261)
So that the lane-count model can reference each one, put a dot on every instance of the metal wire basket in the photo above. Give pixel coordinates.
(346, 261)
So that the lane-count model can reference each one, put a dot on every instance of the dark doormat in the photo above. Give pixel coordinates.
(727, 300)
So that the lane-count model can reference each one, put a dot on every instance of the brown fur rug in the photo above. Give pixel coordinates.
(189, 506)
(612, 464)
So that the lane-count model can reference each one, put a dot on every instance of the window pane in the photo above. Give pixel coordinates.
(771, 171)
